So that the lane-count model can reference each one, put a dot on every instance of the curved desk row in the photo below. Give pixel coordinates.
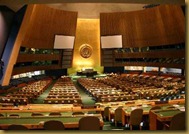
(70, 122)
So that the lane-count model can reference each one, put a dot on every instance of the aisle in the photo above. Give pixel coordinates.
(86, 99)
(44, 95)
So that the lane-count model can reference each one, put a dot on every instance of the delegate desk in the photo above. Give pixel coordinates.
(129, 106)
(160, 116)
(25, 117)
(47, 108)
(70, 122)
(126, 112)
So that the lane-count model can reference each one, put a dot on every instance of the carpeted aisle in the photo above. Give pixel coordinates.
(41, 98)
(86, 98)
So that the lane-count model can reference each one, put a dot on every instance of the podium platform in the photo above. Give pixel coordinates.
(87, 72)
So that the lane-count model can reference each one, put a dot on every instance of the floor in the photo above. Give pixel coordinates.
(86, 98)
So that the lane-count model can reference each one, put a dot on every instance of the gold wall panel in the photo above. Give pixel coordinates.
(88, 32)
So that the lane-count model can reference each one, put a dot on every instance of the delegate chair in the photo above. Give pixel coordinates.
(36, 114)
(118, 115)
(77, 113)
(178, 122)
(17, 127)
(14, 116)
(53, 125)
(106, 112)
(136, 118)
(55, 114)
(93, 112)
(89, 123)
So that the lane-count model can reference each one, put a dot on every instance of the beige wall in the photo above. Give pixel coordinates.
(88, 32)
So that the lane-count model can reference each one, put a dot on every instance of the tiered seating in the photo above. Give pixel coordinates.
(133, 87)
(155, 87)
(104, 93)
(14, 100)
(63, 92)
(158, 93)
(26, 94)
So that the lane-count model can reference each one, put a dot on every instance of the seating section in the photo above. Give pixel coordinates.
(63, 92)
(26, 94)
(21, 82)
(115, 88)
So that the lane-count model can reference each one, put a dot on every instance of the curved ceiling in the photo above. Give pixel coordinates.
(93, 10)
(90, 8)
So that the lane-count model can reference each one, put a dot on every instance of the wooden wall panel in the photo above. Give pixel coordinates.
(174, 23)
(160, 25)
(46, 23)
(20, 70)
(38, 57)
(168, 65)
(155, 54)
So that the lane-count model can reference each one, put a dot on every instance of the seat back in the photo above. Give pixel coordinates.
(136, 117)
(14, 116)
(118, 114)
(89, 123)
(36, 114)
(17, 127)
(53, 125)
(55, 114)
(178, 122)
(77, 113)
(106, 111)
